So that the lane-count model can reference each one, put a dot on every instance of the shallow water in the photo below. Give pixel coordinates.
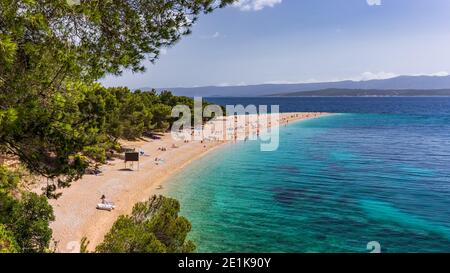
(335, 184)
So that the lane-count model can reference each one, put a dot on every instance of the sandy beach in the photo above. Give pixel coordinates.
(75, 211)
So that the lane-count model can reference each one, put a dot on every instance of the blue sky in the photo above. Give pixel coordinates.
(291, 41)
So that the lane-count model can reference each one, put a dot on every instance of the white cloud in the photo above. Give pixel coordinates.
(374, 2)
(366, 76)
(440, 74)
(254, 5)
(376, 76)
(227, 84)
(387, 75)
(215, 35)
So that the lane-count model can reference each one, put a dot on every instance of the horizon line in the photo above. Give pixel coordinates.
(293, 83)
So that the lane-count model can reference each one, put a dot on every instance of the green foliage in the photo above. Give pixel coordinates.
(52, 114)
(26, 216)
(31, 218)
(133, 114)
(8, 184)
(84, 243)
(7, 241)
(92, 39)
(161, 116)
(54, 141)
(153, 227)
(57, 120)
(8, 180)
(128, 237)
(60, 142)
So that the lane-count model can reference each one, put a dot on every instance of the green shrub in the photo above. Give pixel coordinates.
(153, 227)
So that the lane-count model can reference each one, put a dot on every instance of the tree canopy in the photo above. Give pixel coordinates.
(52, 113)
(7, 241)
(153, 227)
(54, 116)
(24, 217)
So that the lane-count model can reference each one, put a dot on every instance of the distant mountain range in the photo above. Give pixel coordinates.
(333, 92)
(398, 86)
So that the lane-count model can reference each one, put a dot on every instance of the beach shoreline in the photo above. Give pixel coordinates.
(75, 211)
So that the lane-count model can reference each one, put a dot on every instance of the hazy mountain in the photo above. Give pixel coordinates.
(368, 93)
(397, 83)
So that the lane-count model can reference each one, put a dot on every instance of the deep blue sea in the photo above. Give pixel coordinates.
(377, 171)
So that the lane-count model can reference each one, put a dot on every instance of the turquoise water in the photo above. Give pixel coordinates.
(335, 184)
